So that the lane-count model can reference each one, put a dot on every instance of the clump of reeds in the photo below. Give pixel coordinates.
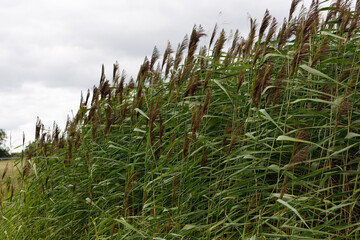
(257, 141)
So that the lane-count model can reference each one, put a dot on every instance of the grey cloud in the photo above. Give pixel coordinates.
(54, 41)
(59, 46)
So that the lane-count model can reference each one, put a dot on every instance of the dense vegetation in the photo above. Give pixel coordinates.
(4, 151)
(257, 142)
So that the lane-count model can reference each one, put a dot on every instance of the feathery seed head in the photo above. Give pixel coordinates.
(179, 52)
(154, 57)
(219, 45)
(264, 24)
(213, 35)
(195, 36)
(293, 6)
(167, 54)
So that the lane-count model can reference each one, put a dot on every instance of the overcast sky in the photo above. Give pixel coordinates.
(51, 50)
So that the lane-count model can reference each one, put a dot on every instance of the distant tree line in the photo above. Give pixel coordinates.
(4, 151)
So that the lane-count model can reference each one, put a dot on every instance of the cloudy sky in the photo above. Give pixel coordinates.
(51, 50)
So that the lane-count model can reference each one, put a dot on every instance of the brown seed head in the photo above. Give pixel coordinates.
(38, 128)
(179, 52)
(154, 58)
(235, 42)
(207, 101)
(219, 45)
(213, 35)
(204, 157)
(240, 81)
(250, 40)
(202, 53)
(264, 24)
(281, 37)
(196, 34)
(87, 98)
(167, 53)
(235, 136)
(271, 31)
(131, 84)
(300, 156)
(207, 78)
(293, 6)
(227, 131)
(116, 74)
(169, 64)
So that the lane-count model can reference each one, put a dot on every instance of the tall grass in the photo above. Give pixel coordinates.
(257, 142)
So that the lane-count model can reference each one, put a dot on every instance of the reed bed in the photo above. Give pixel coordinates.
(260, 141)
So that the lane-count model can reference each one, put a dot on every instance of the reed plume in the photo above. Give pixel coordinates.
(116, 75)
(271, 32)
(154, 57)
(218, 46)
(169, 64)
(167, 54)
(250, 40)
(293, 6)
(128, 189)
(195, 36)
(227, 131)
(179, 52)
(213, 35)
(264, 24)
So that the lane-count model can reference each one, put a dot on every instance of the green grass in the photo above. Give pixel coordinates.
(257, 142)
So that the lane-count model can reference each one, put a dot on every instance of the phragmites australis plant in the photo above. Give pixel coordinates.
(259, 141)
